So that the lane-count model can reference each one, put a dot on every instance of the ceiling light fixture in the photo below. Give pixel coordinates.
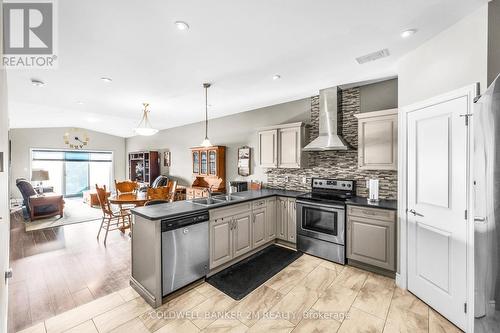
(206, 142)
(408, 33)
(181, 25)
(145, 127)
(276, 77)
(106, 79)
(37, 83)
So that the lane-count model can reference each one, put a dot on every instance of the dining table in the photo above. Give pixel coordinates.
(136, 199)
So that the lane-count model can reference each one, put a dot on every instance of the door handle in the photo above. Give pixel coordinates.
(8, 274)
(412, 211)
(480, 219)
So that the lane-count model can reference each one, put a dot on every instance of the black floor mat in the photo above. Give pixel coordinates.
(247, 275)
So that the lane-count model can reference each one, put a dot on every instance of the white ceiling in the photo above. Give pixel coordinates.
(235, 44)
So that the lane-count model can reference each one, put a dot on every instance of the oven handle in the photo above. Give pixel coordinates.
(308, 203)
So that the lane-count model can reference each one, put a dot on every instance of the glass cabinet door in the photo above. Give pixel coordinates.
(196, 162)
(212, 162)
(204, 163)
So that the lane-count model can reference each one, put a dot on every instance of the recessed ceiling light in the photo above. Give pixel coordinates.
(408, 33)
(106, 79)
(276, 77)
(79, 102)
(37, 83)
(181, 25)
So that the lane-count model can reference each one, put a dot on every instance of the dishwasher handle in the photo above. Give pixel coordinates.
(183, 221)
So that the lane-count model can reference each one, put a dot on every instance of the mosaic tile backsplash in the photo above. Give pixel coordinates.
(336, 164)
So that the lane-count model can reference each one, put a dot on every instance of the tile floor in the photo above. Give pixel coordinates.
(310, 295)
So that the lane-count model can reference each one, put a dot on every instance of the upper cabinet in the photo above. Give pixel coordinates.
(281, 146)
(208, 161)
(378, 140)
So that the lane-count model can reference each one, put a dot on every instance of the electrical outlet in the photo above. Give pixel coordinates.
(304, 180)
(286, 179)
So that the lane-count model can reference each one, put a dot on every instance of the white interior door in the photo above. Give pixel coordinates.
(437, 200)
(4, 200)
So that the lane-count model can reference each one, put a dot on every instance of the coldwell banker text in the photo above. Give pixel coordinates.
(29, 34)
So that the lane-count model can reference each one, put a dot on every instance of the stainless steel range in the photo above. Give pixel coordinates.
(321, 218)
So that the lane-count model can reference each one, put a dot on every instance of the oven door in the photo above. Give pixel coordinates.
(321, 221)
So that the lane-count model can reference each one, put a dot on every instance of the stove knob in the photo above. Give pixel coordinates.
(343, 185)
(321, 183)
(348, 185)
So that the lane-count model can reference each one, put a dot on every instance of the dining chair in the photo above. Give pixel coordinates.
(126, 186)
(172, 188)
(155, 202)
(110, 219)
(158, 193)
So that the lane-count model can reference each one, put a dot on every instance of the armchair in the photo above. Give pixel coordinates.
(39, 206)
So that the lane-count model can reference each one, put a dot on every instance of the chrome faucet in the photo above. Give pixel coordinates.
(209, 191)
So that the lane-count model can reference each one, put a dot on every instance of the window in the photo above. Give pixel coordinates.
(72, 172)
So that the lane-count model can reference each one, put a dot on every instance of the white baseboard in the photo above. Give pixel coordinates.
(399, 281)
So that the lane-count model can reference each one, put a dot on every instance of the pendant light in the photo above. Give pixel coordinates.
(206, 142)
(145, 127)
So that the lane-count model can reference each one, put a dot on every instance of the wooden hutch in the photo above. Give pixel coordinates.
(143, 166)
(209, 170)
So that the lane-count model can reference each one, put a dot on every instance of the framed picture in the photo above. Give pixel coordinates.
(244, 161)
(166, 158)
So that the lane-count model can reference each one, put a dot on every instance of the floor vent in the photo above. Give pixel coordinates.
(373, 56)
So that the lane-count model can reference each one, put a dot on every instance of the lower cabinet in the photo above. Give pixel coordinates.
(236, 230)
(282, 219)
(259, 227)
(286, 220)
(221, 241)
(371, 236)
(292, 221)
(242, 234)
(271, 219)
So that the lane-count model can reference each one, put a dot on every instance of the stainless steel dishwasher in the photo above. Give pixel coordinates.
(184, 250)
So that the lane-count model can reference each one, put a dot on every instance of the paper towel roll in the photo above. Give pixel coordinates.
(373, 190)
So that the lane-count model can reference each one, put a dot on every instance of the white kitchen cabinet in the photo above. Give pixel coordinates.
(268, 148)
(378, 140)
(271, 219)
(282, 219)
(242, 234)
(281, 146)
(291, 221)
(259, 236)
(221, 241)
(371, 236)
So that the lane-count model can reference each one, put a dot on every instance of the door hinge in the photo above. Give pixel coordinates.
(465, 307)
(466, 214)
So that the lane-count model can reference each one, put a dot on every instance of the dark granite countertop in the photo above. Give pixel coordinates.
(382, 204)
(173, 209)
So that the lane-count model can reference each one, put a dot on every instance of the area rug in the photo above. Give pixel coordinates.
(75, 211)
(242, 278)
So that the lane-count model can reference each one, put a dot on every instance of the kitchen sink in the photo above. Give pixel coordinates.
(227, 198)
(215, 200)
(206, 201)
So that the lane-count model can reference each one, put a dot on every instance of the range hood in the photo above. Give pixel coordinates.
(328, 138)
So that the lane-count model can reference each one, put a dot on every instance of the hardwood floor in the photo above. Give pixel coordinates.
(55, 270)
(310, 295)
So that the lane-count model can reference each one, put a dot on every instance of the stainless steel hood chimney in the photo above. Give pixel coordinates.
(328, 138)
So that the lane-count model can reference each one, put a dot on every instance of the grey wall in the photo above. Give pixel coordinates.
(336, 164)
(493, 40)
(232, 131)
(22, 139)
(379, 96)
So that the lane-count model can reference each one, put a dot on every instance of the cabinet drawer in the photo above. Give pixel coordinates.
(372, 213)
(230, 210)
(259, 204)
